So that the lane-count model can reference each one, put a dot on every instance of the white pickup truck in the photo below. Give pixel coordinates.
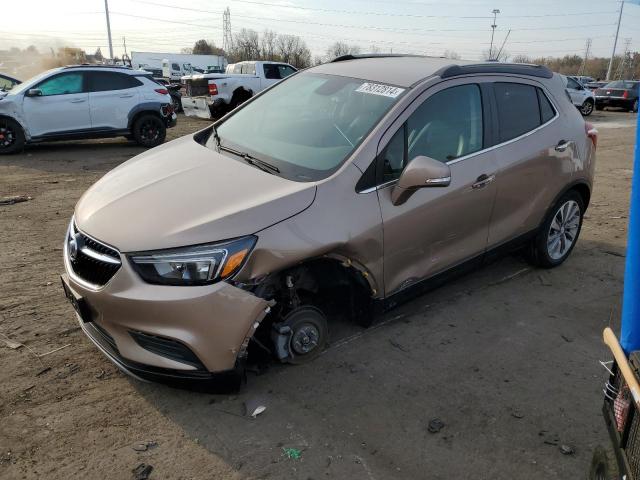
(212, 94)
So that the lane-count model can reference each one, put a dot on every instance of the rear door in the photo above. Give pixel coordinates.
(535, 157)
(437, 228)
(112, 96)
(62, 108)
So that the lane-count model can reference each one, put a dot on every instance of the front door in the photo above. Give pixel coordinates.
(63, 106)
(438, 227)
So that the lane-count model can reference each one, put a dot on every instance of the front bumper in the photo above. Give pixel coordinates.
(212, 324)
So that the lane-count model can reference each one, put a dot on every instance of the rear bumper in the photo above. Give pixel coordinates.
(202, 107)
(619, 102)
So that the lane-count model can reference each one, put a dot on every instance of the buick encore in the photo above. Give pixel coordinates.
(343, 189)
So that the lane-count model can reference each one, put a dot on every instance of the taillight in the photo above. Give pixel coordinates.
(213, 89)
(162, 91)
(592, 133)
(625, 94)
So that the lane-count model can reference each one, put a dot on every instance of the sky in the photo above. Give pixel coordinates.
(538, 27)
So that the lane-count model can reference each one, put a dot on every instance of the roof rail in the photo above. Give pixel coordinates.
(97, 65)
(350, 56)
(494, 67)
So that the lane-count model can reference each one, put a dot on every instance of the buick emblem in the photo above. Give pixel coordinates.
(74, 246)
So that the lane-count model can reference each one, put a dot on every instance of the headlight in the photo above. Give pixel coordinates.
(198, 265)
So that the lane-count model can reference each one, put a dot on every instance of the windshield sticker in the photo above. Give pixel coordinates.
(379, 89)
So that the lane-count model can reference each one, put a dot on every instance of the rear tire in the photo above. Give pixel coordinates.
(558, 233)
(587, 108)
(11, 136)
(149, 131)
(604, 465)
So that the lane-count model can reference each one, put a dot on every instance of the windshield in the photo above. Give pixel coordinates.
(622, 84)
(28, 83)
(309, 124)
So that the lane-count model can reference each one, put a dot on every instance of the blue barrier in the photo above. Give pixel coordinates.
(630, 328)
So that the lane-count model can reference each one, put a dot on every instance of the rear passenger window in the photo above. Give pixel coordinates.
(105, 81)
(518, 109)
(546, 109)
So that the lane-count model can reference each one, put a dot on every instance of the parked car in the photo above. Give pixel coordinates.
(582, 79)
(212, 94)
(593, 86)
(174, 91)
(7, 82)
(85, 102)
(621, 94)
(583, 98)
(343, 190)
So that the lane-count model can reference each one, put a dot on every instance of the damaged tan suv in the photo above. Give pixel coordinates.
(340, 191)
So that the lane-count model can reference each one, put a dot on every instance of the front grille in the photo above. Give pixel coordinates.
(92, 261)
(167, 347)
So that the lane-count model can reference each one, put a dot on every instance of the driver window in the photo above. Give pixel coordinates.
(448, 125)
(64, 84)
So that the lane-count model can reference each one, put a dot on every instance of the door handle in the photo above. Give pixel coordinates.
(483, 180)
(78, 100)
(562, 145)
(126, 95)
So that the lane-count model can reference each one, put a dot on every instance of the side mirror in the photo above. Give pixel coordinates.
(34, 92)
(421, 172)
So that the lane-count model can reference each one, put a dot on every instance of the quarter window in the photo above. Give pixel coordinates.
(63, 84)
(518, 109)
(546, 109)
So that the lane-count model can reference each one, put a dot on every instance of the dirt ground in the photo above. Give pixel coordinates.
(507, 358)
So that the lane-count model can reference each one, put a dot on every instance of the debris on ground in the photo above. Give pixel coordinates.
(566, 339)
(567, 449)
(14, 199)
(11, 344)
(43, 371)
(435, 425)
(144, 446)
(544, 281)
(71, 368)
(615, 254)
(142, 472)
(55, 350)
(517, 414)
(397, 345)
(254, 407)
(292, 453)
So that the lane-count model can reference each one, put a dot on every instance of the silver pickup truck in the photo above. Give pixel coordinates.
(213, 94)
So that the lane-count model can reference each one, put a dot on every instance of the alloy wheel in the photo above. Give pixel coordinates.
(7, 136)
(563, 230)
(587, 108)
(149, 131)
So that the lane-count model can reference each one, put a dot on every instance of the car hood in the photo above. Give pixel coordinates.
(183, 193)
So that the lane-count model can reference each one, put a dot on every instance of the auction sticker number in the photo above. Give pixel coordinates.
(380, 89)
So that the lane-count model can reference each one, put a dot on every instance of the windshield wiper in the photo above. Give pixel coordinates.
(251, 160)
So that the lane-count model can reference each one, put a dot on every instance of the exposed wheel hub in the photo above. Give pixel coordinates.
(305, 339)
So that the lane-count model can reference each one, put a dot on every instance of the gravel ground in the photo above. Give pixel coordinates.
(506, 358)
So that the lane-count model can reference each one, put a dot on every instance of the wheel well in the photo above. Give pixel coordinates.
(14, 120)
(584, 191)
(242, 92)
(326, 283)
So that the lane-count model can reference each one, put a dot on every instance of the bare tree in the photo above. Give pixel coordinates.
(246, 46)
(187, 50)
(339, 49)
(268, 45)
(522, 58)
(502, 56)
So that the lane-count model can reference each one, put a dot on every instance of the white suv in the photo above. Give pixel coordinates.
(581, 97)
(85, 101)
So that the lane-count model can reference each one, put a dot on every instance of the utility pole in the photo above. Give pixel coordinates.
(587, 49)
(106, 11)
(493, 31)
(624, 61)
(615, 42)
(124, 45)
